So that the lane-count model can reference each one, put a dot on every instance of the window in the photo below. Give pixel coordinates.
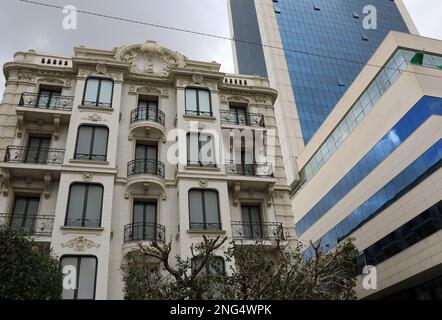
(84, 205)
(84, 272)
(48, 98)
(239, 115)
(144, 220)
(251, 218)
(148, 110)
(38, 150)
(204, 210)
(91, 143)
(215, 266)
(98, 92)
(198, 102)
(24, 213)
(200, 150)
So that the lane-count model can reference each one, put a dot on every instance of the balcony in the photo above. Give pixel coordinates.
(34, 155)
(264, 170)
(146, 119)
(36, 225)
(144, 174)
(46, 101)
(242, 119)
(144, 231)
(257, 231)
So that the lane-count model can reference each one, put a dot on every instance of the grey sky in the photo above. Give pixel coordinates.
(26, 26)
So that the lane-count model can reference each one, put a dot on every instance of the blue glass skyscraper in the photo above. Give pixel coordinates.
(325, 46)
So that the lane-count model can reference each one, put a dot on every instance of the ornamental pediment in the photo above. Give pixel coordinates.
(149, 58)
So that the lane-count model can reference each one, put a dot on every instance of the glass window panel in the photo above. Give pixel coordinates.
(75, 205)
(90, 95)
(204, 101)
(196, 209)
(105, 97)
(86, 278)
(212, 209)
(191, 100)
(84, 141)
(99, 150)
(69, 261)
(93, 208)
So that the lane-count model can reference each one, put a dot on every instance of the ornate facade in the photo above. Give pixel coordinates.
(88, 146)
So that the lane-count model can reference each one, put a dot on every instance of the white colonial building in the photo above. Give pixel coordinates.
(108, 148)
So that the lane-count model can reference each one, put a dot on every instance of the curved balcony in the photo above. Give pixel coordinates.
(243, 230)
(144, 231)
(147, 118)
(142, 172)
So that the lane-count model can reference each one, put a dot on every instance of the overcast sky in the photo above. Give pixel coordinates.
(26, 26)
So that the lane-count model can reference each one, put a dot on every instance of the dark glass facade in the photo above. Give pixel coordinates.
(250, 56)
(325, 46)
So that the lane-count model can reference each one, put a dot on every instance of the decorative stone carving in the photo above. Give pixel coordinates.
(25, 76)
(149, 58)
(203, 183)
(19, 124)
(236, 190)
(261, 99)
(5, 183)
(149, 90)
(80, 244)
(238, 99)
(270, 192)
(94, 117)
(51, 81)
(87, 177)
(56, 126)
(197, 78)
(47, 184)
(101, 68)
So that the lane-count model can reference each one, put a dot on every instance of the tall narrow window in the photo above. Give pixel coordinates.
(252, 222)
(239, 115)
(198, 102)
(38, 150)
(148, 110)
(204, 209)
(84, 271)
(24, 213)
(98, 92)
(91, 143)
(84, 205)
(144, 220)
(200, 150)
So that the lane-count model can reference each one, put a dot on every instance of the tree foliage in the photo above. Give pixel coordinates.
(27, 270)
(259, 271)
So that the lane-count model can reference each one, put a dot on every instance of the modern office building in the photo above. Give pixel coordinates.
(89, 143)
(374, 171)
(312, 51)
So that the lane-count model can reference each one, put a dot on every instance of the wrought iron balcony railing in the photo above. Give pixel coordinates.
(242, 230)
(34, 155)
(250, 169)
(38, 225)
(244, 119)
(145, 166)
(144, 231)
(46, 101)
(147, 114)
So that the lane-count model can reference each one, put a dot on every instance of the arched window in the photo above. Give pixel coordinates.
(98, 92)
(198, 102)
(204, 209)
(84, 205)
(91, 143)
